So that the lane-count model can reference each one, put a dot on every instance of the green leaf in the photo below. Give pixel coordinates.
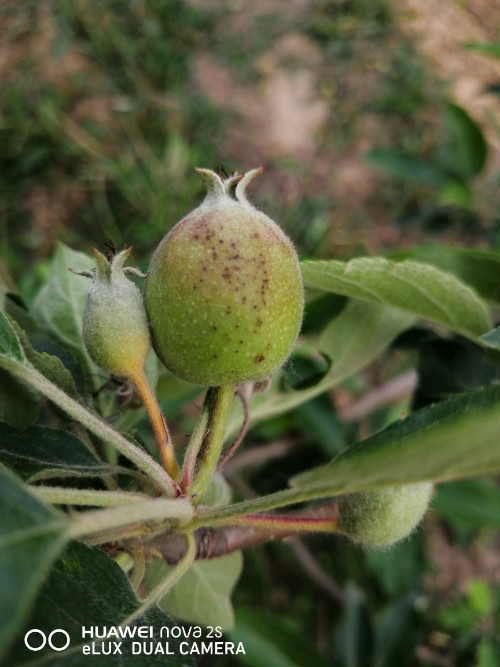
(218, 492)
(31, 535)
(473, 503)
(407, 167)
(453, 439)
(480, 269)
(397, 633)
(19, 404)
(48, 365)
(397, 570)
(455, 193)
(86, 588)
(273, 640)
(355, 637)
(480, 597)
(17, 311)
(203, 595)
(9, 343)
(488, 653)
(417, 288)
(466, 148)
(51, 451)
(96, 425)
(492, 338)
(360, 333)
(47, 347)
(450, 366)
(60, 303)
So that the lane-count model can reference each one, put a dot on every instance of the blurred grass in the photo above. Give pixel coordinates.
(102, 118)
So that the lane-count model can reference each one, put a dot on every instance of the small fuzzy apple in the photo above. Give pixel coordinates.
(381, 517)
(224, 294)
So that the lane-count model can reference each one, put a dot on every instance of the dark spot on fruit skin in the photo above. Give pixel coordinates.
(221, 240)
(233, 244)
(259, 322)
(241, 342)
(214, 327)
(235, 256)
(259, 358)
(215, 356)
(244, 299)
(228, 310)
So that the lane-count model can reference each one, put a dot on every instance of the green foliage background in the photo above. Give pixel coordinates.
(105, 109)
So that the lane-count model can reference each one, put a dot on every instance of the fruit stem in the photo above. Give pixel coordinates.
(244, 427)
(194, 446)
(290, 523)
(93, 423)
(160, 429)
(218, 402)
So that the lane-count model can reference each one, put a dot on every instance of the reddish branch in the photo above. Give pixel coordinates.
(214, 542)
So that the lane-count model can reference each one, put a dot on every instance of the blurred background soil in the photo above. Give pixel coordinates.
(105, 108)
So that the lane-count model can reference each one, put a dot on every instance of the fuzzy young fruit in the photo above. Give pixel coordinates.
(382, 517)
(115, 328)
(224, 293)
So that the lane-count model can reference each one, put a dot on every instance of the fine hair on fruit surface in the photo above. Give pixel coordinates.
(224, 292)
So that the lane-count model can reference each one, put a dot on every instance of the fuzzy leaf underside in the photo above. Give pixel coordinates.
(105, 599)
(60, 303)
(452, 439)
(480, 269)
(31, 535)
(203, 595)
(40, 449)
(420, 289)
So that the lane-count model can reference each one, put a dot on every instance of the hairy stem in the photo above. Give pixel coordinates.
(290, 523)
(93, 423)
(194, 446)
(229, 513)
(158, 422)
(159, 509)
(214, 542)
(170, 580)
(59, 495)
(219, 401)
